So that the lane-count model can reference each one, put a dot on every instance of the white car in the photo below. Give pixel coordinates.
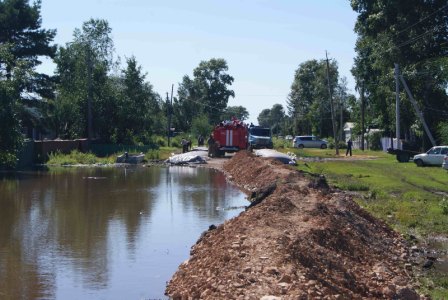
(308, 141)
(433, 157)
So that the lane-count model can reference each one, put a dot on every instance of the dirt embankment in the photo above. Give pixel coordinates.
(301, 241)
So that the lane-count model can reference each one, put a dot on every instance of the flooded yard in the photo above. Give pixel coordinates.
(104, 233)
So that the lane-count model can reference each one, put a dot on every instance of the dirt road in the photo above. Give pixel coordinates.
(301, 241)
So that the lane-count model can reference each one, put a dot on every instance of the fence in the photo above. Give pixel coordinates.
(103, 150)
(43, 148)
(38, 151)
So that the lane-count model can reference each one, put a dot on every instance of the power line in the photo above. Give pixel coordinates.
(409, 27)
(443, 112)
(203, 104)
(416, 38)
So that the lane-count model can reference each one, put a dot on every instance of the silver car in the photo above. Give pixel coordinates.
(308, 141)
(434, 156)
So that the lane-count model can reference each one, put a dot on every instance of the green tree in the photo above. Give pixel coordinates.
(10, 135)
(273, 118)
(264, 118)
(413, 34)
(207, 93)
(138, 107)
(22, 44)
(20, 27)
(238, 112)
(308, 102)
(200, 126)
(211, 82)
(82, 69)
(186, 105)
(277, 118)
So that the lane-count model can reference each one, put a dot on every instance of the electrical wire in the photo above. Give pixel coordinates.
(443, 112)
(416, 38)
(430, 15)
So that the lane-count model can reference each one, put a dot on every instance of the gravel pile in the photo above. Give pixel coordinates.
(301, 241)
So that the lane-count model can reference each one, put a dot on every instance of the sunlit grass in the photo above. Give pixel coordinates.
(407, 197)
(165, 152)
(76, 157)
(403, 194)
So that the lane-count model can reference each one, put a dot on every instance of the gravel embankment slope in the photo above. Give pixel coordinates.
(301, 241)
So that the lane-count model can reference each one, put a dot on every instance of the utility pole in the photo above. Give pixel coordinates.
(335, 136)
(397, 106)
(418, 111)
(89, 95)
(169, 115)
(341, 116)
(363, 109)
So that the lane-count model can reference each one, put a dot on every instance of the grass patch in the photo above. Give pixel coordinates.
(435, 285)
(79, 158)
(349, 183)
(329, 153)
(166, 152)
(409, 198)
(76, 157)
(411, 195)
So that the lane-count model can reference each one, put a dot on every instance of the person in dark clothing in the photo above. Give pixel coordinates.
(184, 144)
(349, 147)
(211, 146)
(200, 141)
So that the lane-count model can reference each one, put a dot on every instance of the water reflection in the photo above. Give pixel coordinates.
(104, 233)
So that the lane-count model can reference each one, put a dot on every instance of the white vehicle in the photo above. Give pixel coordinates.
(308, 141)
(445, 162)
(433, 157)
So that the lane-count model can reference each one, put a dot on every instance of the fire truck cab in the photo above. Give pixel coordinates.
(230, 136)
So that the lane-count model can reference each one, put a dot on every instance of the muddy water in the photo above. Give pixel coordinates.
(438, 246)
(104, 233)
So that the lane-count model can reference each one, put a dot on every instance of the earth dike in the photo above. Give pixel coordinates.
(299, 239)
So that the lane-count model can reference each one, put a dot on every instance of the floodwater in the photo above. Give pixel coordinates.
(105, 233)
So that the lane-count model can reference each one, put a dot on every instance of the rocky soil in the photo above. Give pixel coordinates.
(301, 240)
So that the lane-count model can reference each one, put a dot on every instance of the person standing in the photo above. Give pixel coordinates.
(211, 146)
(200, 141)
(184, 144)
(349, 147)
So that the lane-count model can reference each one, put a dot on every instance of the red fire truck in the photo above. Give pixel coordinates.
(230, 136)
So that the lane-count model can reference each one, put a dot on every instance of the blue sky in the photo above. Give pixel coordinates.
(262, 41)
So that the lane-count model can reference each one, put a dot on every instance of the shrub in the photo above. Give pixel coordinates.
(444, 205)
(75, 157)
(8, 160)
(374, 140)
(160, 141)
(152, 154)
(331, 144)
(280, 143)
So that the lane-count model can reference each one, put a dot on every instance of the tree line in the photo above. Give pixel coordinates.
(412, 34)
(92, 95)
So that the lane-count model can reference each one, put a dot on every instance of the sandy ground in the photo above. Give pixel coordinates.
(301, 240)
